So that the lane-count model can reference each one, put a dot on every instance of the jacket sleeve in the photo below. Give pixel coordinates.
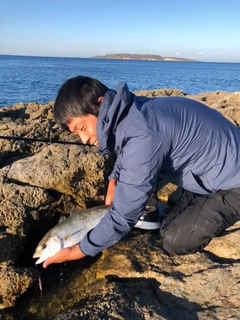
(141, 160)
(116, 170)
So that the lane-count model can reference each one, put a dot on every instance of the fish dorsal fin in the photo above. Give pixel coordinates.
(75, 210)
(61, 219)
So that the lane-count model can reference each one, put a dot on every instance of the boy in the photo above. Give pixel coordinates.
(173, 138)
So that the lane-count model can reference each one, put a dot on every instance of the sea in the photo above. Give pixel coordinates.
(27, 78)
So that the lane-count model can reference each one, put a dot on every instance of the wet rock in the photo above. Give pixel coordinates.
(136, 279)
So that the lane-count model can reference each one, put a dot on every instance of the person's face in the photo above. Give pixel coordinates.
(85, 127)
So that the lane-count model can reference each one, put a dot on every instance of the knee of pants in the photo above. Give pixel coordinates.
(181, 245)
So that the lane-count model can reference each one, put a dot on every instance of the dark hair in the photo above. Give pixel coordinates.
(77, 97)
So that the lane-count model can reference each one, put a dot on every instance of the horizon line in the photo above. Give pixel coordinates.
(79, 57)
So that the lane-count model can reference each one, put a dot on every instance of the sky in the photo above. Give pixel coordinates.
(204, 30)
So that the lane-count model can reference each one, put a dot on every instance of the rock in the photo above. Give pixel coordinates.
(135, 279)
(14, 282)
(160, 93)
(225, 102)
(169, 192)
(65, 169)
(40, 181)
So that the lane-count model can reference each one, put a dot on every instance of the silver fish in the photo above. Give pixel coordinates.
(70, 231)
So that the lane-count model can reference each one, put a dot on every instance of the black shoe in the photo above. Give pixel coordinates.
(150, 214)
(154, 214)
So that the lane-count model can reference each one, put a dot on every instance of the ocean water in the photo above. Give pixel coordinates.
(26, 79)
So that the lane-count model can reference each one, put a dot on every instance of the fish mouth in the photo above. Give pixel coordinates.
(40, 260)
(36, 254)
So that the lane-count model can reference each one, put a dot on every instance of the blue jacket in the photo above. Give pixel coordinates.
(177, 139)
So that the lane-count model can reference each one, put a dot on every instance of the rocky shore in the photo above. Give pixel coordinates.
(135, 279)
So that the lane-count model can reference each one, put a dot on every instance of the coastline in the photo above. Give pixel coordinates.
(146, 57)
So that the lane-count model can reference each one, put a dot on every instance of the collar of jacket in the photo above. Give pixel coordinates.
(113, 110)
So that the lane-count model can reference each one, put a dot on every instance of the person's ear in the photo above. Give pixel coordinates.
(100, 99)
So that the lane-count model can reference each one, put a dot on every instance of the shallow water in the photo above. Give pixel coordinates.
(63, 285)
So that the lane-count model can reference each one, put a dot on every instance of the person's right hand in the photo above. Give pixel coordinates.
(110, 192)
(65, 254)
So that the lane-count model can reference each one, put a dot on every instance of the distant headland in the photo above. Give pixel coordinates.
(129, 56)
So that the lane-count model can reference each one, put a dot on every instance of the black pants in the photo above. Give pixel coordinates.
(196, 219)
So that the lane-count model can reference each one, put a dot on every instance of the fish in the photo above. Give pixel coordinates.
(70, 231)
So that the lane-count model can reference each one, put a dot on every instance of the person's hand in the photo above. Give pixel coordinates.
(110, 192)
(63, 255)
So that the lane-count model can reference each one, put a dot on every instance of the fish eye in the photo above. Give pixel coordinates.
(44, 246)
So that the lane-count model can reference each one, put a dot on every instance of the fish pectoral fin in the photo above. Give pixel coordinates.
(67, 236)
(73, 237)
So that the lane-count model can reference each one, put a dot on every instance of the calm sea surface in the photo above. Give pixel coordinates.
(25, 79)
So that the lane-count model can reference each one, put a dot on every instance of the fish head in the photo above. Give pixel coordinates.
(47, 247)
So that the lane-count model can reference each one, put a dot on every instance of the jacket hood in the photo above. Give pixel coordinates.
(113, 110)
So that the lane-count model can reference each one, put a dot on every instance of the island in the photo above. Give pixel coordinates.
(130, 56)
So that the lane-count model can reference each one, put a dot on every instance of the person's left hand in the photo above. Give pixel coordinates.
(63, 255)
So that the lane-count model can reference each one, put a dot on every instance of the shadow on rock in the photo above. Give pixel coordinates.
(222, 261)
(132, 298)
(10, 247)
